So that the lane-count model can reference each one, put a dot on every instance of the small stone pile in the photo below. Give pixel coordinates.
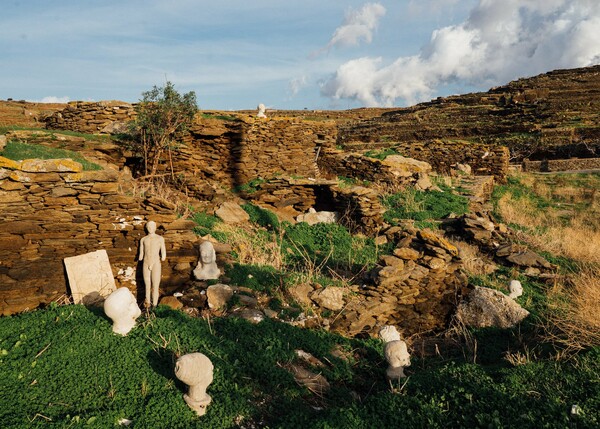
(417, 288)
(91, 117)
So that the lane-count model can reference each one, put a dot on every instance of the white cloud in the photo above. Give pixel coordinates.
(52, 99)
(358, 26)
(500, 41)
(296, 84)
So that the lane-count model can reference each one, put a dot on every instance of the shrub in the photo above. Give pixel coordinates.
(162, 113)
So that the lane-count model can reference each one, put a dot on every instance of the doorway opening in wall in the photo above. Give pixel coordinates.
(324, 199)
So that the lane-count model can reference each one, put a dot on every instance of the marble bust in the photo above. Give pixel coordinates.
(396, 352)
(207, 268)
(121, 307)
(261, 111)
(195, 370)
(152, 253)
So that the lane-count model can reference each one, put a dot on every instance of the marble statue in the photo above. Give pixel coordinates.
(121, 307)
(515, 288)
(152, 252)
(207, 268)
(396, 352)
(195, 370)
(261, 111)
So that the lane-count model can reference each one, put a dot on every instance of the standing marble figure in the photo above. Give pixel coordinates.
(152, 252)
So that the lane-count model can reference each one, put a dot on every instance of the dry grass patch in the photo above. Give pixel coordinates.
(160, 189)
(570, 229)
(574, 320)
(253, 248)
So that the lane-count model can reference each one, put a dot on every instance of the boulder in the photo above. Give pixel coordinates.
(171, 301)
(486, 307)
(231, 213)
(330, 298)
(218, 296)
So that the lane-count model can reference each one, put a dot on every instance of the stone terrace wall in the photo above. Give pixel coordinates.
(90, 117)
(282, 146)
(485, 160)
(562, 164)
(52, 210)
(234, 152)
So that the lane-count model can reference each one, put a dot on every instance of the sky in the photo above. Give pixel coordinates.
(313, 54)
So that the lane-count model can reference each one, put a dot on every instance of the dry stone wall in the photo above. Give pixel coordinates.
(90, 117)
(51, 210)
(562, 164)
(233, 152)
(485, 160)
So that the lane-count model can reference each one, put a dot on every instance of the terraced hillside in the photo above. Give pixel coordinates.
(550, 116)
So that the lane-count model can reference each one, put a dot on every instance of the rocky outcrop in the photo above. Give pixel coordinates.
(486, 307)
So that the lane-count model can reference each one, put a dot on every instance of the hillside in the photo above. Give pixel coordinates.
(550, 116)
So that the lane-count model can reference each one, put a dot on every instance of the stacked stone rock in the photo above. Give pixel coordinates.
(486, 160)
(232, 152)
(52, 210)
(337, 163)
(417, 288)
(562, 164)
(90, 117)
(359, 208)
(283, 192)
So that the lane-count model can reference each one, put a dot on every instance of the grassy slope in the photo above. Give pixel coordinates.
(64, 367)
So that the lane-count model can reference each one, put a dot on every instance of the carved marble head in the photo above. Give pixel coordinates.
(121, 307)
(207, 253)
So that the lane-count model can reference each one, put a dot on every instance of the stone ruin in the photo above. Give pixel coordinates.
(297, 163)
(417, 288)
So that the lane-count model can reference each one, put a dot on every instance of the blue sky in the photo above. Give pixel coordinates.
(312, 54)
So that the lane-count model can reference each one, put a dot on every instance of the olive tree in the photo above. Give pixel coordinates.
(162, 114)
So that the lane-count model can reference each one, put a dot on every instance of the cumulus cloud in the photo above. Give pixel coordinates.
(500, 41)
(52, 99)
(358, 26)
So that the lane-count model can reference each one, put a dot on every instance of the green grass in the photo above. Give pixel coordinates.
(63, 367)
(424, 207)
(219, 117)
(52, 133)
(381, 154)
(18, 151)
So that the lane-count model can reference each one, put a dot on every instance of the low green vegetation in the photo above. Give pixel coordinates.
(381, 154)
(424, 207)
(63, 367)
(53, 134)
(250, 187)
(219, 117)
(18, 151)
